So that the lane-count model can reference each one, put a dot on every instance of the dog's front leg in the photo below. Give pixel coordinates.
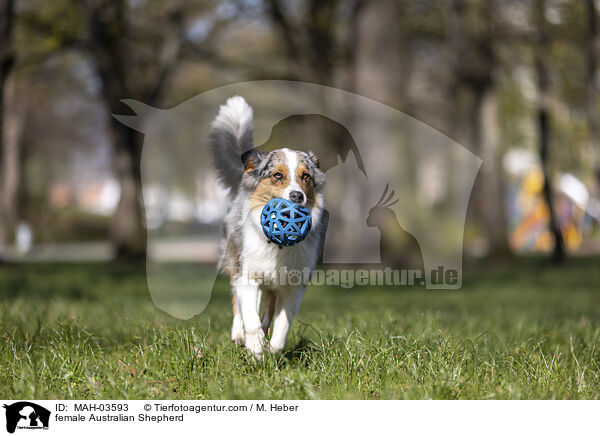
(269, 310)
(288, 304)
(237, 329)
(247, 293)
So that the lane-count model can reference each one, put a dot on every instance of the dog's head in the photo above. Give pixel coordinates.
(284, 173)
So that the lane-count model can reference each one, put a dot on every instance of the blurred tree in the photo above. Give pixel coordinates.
(320, 38)
(383, 59)
(473, 61)
(7, 16)
(592, 47)
(309, 39)
(542, 69)
(133, 49)
(108, 30)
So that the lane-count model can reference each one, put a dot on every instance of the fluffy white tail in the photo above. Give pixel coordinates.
(231, 135)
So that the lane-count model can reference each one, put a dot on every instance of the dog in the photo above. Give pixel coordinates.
(254, 265)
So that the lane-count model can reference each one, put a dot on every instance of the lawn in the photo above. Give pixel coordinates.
(524, 331)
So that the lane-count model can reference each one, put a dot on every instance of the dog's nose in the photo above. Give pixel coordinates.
(297, 196)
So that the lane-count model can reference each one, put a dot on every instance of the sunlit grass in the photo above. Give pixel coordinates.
(77, 331)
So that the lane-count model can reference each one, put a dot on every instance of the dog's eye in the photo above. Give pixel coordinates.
(305, 176)
(277, 175)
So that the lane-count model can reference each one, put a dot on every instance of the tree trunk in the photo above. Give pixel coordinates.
(593, 45)
(492, 178)
(308, 42)
(543, 103)
(6, 64)
(127, 232)
(11, 162)
(475, 116)
(108, 29)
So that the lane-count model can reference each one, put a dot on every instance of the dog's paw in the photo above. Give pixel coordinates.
(276, 347)
(255, 342)
(239, 338)
(237, 335)
(237, 332)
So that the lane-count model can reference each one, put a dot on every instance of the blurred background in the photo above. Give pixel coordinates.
(515, 82)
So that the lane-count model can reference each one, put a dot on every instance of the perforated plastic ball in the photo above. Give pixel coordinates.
(284, 222)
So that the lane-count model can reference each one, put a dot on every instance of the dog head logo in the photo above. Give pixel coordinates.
(431, 176)
(26, 415)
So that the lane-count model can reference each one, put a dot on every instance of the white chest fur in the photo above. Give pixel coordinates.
(267, 259)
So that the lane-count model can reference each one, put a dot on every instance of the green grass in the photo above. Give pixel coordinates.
(512, 332)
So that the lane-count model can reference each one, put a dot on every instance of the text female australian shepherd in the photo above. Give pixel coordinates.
(255, 266)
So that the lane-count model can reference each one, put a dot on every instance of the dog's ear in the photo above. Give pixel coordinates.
(313, 157)
(251, 159)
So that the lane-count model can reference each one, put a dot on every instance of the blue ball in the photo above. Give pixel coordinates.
(284, 222)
